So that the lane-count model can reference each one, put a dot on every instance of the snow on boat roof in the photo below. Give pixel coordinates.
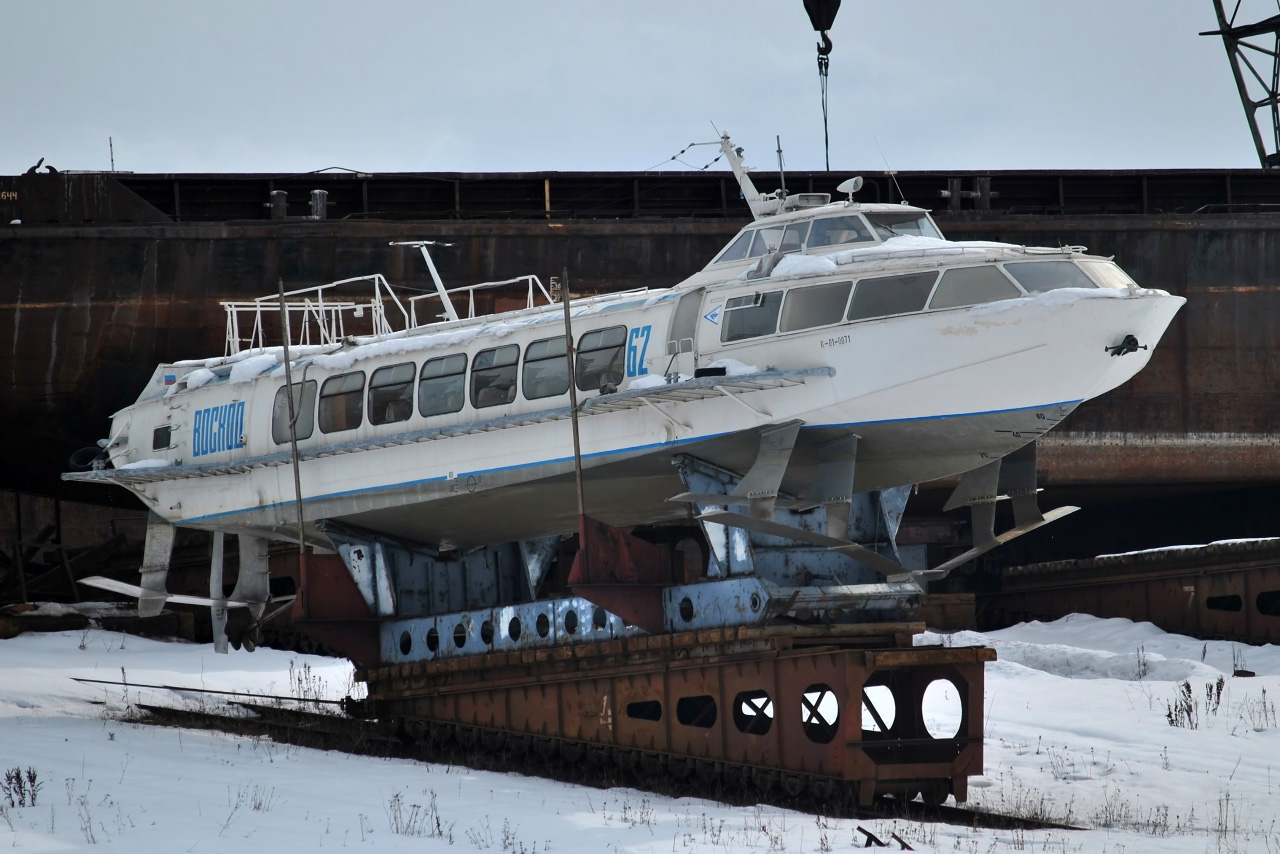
(248, 365)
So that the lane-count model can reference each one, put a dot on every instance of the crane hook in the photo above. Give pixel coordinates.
(824, 49)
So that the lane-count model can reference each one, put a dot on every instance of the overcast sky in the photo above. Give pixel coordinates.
(488, 86)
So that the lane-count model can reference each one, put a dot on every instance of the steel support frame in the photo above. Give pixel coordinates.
(680, 713)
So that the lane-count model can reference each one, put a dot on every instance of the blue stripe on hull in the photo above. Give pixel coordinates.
(635, 449)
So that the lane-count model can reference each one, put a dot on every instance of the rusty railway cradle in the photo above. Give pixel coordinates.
(776, 713)
(754, 707)
(740, 715)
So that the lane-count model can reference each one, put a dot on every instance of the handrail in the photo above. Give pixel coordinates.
(470, 290)
(329, 317)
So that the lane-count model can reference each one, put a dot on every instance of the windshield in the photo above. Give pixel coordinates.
(837, 230)
(1108, 274)
(897, 224)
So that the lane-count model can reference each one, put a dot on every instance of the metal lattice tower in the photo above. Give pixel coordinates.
(1254, 51)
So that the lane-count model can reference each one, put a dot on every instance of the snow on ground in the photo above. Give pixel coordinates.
(1076, 721)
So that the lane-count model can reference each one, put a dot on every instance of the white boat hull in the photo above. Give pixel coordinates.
(928, 396)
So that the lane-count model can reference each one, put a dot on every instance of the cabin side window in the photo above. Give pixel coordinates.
(888, 295)
(1036, 277)
(304, 407)
(750, 316)
(837, 230)
(737, 250)
(546, 370)
(767, 241)
(962, 286)
(819, 305)
(342, 402)
(600, 358)
(391, 393)
(493, 376)
(442, 386)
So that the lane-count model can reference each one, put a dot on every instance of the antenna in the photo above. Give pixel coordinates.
(782, 176)
(893, 176)
(112, 148)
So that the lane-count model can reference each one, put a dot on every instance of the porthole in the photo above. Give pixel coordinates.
(1268, 603)
(878, 708)
(941, 708)
(820, 713)
(699, 711)
(1224, 603)
(645, 710)
(753, 712)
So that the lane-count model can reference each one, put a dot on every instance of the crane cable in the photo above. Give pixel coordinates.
(822, 15)
(824, 63)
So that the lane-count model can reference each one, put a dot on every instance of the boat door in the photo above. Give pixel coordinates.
(681, 352)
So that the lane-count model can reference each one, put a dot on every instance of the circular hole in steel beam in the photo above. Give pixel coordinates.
(406, 643)
(433, 639)
(486, 633)
(942, 709)
(543, 625)
(599, 618)
(513, 629)
(571, 622)
(753, 712)
(820, 713)
(880, 699)
(686, 609)
(459, 635)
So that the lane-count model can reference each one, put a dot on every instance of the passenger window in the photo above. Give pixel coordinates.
(833, 231)
(971, 286)
(391, 394)
(342, 402)
(442, 385)
(304, 407)
(820, 305)
(889, 295)
(493, 376)
(1036, 277)
(600, 358)
(750, 316)
(546, 371)
(737, 250)
(766, 242)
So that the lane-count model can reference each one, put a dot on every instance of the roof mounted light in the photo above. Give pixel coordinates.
(850, 186)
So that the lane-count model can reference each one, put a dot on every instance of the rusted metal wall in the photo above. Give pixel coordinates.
(91, 309)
